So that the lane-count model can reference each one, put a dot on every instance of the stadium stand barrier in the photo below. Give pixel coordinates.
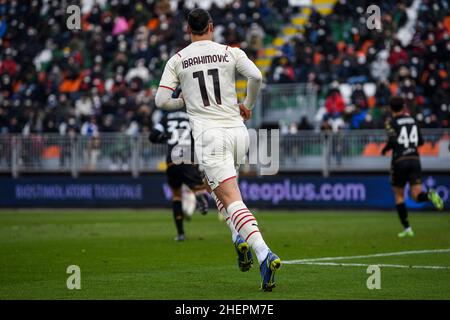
(304, 151)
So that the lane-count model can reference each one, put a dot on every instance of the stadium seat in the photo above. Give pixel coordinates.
(263, 62)
(429, 149)
(299, 21)
(241, 84)
(241, 95)
(372, 149)
(51, 152)
(290, 31)
(270, 52)
(278, 41)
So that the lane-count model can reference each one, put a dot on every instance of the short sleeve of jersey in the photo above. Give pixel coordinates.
(169, 79)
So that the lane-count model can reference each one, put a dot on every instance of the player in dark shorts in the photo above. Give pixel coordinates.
(404, 137)
(174, 130)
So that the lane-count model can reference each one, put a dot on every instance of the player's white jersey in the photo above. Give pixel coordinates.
(206, 72)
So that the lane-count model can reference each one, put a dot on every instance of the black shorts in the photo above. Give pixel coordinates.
(184, 173)
(403, 171)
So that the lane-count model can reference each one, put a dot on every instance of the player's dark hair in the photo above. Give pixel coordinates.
(396, 103)
(198, 20)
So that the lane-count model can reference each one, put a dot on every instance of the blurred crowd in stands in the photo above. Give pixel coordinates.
(103, 77)
(409, 56)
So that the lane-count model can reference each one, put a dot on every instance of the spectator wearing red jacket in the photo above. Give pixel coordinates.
(334, 104)
(398, 56)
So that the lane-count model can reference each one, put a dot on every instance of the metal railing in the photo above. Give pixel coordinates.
(306, 151)
(109, 152)
(356, 151)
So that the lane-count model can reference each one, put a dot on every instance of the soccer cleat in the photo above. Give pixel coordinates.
(268, 268)
(202, 203)
(245, 258)
(406, 233)
(180, 238)
(435, 199)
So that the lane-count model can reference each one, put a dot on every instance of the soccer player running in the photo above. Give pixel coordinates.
(404, 137)
(205, 70)
(174, 129)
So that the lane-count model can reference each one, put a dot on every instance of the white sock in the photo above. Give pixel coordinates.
(225, 215)
(245, 223)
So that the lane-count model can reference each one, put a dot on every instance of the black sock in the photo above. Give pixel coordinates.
(178, 215)
(403, 214)
(422, 197)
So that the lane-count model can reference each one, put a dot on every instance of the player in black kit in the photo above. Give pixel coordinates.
(174, 130)
(404, 137)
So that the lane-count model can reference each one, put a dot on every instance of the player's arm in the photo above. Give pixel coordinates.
(157, 134)
(167, 85)
(392, 138)
(419, 132)
(248, 69)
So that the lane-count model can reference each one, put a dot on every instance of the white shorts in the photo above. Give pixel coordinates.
(220, 151)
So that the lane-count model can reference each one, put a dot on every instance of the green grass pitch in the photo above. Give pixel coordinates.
(130, 254)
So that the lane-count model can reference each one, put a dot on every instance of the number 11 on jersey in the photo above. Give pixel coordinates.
(201, 81)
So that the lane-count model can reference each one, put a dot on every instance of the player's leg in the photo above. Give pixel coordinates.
(227, 190)
(246, 225)
(201, 196)
(431, 195)
(194, 180)
(222, 210)
(417, 193)
(402, 212)
(398, 181)
(177, 208)
(188, 202)
(225, 215)
(208, 154)
(245, 257)
(241, 217)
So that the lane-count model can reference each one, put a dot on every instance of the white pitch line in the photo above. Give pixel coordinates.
(366, 265)
(400, 253)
